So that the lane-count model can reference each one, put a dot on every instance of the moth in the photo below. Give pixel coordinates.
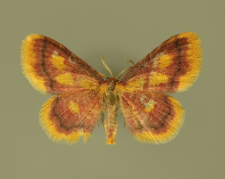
(81, 94)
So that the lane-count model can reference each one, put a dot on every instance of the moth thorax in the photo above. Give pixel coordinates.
(110, 95)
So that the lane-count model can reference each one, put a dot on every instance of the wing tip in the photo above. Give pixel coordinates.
(194, 59)
(28, 60)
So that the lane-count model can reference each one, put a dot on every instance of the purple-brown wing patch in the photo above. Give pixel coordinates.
(70, 116)
(52, 68)
(171, 67)
(152, 117)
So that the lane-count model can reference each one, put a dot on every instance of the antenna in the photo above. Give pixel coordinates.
(107, 67)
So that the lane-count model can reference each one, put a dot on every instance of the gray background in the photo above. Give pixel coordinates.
(117, 30)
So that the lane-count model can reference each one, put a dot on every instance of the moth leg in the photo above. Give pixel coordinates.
(102, 118)
(129, 61)
(123, 118)
(126, 68)
(123, 72)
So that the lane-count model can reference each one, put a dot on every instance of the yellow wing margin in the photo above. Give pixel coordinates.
(28, 61)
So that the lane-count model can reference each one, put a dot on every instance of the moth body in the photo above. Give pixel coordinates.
(111, 101)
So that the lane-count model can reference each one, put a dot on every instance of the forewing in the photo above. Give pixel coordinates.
(70, 116)
(152, 117)
(171, 67)
(52, 68)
